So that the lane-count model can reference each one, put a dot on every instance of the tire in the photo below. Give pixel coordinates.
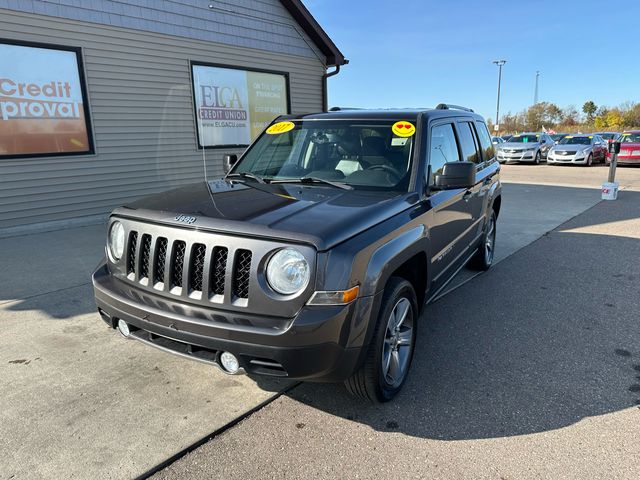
(483, 258)
(537, 159)
(590, 160)
(374, 381)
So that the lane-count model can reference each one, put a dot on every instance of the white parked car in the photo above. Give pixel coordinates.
(579, 150)
(526, 147)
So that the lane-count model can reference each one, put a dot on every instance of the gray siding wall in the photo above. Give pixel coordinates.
(261, 24)
(143, 120)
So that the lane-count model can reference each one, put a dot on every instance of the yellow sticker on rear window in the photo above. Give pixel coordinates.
(280, 127)
(403, 129)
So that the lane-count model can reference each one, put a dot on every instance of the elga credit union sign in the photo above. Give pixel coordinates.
(233, 106)
(42, 109)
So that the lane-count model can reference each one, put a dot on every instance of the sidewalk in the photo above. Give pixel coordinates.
(528, 371)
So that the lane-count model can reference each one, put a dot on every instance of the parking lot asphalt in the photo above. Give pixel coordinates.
(79, 401)
(531, 370)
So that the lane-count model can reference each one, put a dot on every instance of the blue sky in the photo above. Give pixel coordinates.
(418, 53)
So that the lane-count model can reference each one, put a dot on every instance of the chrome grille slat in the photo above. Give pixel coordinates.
(196, 266)
(218, 270)
(145, 254)
(241, 273)
(131, 252)
(177, 264)
(160, 260)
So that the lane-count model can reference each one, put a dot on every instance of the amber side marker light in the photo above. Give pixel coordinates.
(337, 297)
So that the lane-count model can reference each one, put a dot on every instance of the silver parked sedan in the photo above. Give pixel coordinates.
(526, 147)
(579, 150)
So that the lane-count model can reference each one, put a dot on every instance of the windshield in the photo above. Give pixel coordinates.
(608, 136)
(576, 141)
(525, 138)
(362, 154)
(558, 136)
(630, 138)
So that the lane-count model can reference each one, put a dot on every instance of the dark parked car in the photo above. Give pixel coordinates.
(314, 256)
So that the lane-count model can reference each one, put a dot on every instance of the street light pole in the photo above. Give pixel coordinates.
(499, 63)
(535, 92)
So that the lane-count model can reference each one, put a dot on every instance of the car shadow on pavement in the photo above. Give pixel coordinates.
(548, 337)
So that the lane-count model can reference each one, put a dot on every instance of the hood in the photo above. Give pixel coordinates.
(313, 214)
(572, 148)
(518, 145)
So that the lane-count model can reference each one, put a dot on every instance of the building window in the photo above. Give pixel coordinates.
(233, 106)
(43, 107)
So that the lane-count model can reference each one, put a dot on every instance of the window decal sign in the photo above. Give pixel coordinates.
(42, 102)
(234, 106)
(403, 129)
(280, 127)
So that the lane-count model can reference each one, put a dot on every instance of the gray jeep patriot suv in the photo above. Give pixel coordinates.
(314, 256)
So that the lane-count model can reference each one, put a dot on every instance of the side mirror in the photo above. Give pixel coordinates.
(228, 161)
(456, 175)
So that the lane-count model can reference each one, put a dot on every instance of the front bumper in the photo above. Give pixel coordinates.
(315, 345)
(577, 159)
(521, 156)
(626, 160)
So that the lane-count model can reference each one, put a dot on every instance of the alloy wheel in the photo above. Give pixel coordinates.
(398, 342)
(490, 241)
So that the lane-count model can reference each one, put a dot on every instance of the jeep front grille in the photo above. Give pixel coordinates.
(183, 268)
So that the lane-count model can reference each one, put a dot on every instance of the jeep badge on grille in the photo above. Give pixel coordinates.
(185, 219)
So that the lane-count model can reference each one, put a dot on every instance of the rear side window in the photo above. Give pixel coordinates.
(488, 152)
(443, 148)
(468, 143)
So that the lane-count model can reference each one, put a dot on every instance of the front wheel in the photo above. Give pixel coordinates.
(589, 160)
(483, 259)
(537, 159)
(389, 356)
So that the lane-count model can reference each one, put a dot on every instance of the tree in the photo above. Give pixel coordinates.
(542, 114)
(589, 108)
(570, 116)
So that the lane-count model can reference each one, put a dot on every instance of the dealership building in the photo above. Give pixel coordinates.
(105, 101)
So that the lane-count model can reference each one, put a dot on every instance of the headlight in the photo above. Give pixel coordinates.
(288, 271)
(116, 241)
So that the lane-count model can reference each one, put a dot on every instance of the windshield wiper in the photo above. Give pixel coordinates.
(252, 176)
(343, 186)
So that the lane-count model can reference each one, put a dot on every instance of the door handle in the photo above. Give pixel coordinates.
(467, 195)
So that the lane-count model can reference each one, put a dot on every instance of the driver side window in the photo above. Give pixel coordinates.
(443, 148)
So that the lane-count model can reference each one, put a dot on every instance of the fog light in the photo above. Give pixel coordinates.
(123, 328)
(229, 362)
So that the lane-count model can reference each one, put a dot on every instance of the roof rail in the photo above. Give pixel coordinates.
(339, 109)
(449, 106)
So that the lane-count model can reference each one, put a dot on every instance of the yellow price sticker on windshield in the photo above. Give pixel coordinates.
(280, 127)
(403, 129)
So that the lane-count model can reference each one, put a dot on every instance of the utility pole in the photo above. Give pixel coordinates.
(535, 93)
(499, 63)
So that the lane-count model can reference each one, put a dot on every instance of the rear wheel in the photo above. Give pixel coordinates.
(389, 356)
(483, 259)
